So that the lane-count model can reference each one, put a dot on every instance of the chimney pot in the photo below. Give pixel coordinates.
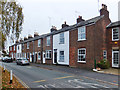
(79, 19)
(64, 25)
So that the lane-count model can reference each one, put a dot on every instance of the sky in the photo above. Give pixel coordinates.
(40, 15)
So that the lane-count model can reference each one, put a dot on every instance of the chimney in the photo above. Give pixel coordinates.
(21, 40)
(104, 11)
(25, 38)
(29, 36)
(79, 19)
(53, 29)
(17, 41)
(64, 25)
(35, 34)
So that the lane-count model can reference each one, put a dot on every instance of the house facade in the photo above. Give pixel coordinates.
(88, 40)
(78, 45)
(113, 44)
(61, 46)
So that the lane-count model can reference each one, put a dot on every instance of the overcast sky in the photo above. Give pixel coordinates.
(40, 15)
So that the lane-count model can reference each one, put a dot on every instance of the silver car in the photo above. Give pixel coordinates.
(22, 61)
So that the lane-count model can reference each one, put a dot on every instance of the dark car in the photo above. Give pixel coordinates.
(22, 61)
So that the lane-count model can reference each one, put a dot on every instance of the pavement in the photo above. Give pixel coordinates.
(113, 71)
(52, 76)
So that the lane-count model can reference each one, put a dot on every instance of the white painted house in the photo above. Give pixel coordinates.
(19, 50)
(61, 48)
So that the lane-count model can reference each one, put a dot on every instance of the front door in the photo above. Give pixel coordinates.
(43, 57)
(55, 55)
(115, 58)
(30, 57)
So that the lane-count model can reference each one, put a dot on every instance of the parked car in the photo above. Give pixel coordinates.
(22, 61)
(7, 59)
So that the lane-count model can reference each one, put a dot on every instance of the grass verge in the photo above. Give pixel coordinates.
(6, 81)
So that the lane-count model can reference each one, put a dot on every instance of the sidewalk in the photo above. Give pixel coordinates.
(80, 72)
(110, 71)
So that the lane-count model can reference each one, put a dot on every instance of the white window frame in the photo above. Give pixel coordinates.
(10, 48)
(14, 48)
(39, 43)
(104, 55)
(82, 55)
(48, 40)
(62, 39)
(80, 33)
(112, 34)
(39, 57)
(27, 45)
(48, 52)
(61, 60)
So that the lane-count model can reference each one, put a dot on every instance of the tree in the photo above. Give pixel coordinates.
(12, 20)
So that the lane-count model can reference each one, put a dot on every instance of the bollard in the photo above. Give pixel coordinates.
(4, 68)
(10, 76)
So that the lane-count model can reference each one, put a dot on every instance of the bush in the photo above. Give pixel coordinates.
(104, 64)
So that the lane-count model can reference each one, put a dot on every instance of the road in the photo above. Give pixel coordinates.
(35, 77)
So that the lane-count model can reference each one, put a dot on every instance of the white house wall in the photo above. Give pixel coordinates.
(19, 52)
(61, 47)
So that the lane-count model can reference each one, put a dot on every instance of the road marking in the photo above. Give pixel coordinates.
(39, 81)
(101, 81)
(63, 77)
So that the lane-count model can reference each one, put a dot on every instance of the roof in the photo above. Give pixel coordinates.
(71, 27)
(114, 24)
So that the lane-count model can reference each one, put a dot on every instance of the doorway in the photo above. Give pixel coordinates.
(55, 56)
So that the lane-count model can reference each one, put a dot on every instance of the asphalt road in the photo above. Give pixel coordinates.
(35, 77)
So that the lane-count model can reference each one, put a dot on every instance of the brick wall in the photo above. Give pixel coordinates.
(45, 47)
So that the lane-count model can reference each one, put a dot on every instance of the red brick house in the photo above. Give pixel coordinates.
(88, 40)
(113, 44)
(12, 51)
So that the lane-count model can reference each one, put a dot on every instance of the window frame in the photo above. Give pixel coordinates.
(48, 52)
(62, 56)
(63, 38)
(113, 35)
(14, 48)
(104, 54)
(48, 40)
(27, 45)
(81, 55)
(79, 33)
(39, 43)
(39, 58)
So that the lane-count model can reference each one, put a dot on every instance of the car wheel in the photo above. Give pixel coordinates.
(21, 64)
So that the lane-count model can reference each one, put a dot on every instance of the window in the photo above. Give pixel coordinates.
(22, 46)
(61, 38)
(81, 55)
(61, 56)
(115, 34)
(39, 55)
(81, 33)
(104, 54)
(48, 41)
(39, 43)
(10, 48)
(27, 45)
(48, 54)
(14, 48)
(27, 55)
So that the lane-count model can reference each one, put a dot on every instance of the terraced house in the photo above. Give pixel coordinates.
(77, 45)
